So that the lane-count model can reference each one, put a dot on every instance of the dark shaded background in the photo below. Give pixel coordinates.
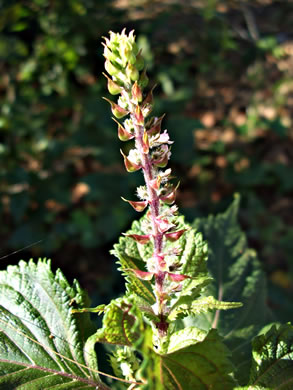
(224, 73)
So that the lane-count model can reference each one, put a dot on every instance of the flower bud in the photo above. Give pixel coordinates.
(161, 156)
(130, 165)
(163, 224)
(108, 43)
(117, 111)
(132, 72)
(170, 197)
(126, 53)
(136, 93)
(122, 102)
(128, 125)
(138, 116)
(145, 143)
(123, 134)
(147, 109)
(138, 206)
(159, 259)
(131, 58)
(108, 54)
(113, 88)
(110, 68)
(155, 124)
(155, 183)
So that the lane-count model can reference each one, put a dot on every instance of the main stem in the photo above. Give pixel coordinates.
(153, 198)
(154, 204)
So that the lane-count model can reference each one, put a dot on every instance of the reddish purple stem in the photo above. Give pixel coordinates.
(154, 203)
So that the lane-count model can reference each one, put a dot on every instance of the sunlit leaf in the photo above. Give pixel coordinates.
(238, 276)
(41, 341)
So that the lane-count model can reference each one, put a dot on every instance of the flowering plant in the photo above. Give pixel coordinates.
(167, 331)
(172, 280)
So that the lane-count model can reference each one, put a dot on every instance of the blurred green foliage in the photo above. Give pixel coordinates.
(59, 154)
(224, 75)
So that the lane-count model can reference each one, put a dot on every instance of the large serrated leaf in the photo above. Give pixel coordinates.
(190, 359)
(272, 365)
(237, 277)
(41, 341)
(202, 365)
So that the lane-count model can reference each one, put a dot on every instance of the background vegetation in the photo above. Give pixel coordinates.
(224, 73)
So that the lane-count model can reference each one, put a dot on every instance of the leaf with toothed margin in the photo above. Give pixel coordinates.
(191, 359)
(132, 256)
(142, 288)
(202, 365)
(120, 323)
(193, 259)
(200, 305)
(272, 362)
(41, 341)
(237, 276)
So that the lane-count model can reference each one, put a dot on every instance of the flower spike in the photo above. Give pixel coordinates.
(151, 152)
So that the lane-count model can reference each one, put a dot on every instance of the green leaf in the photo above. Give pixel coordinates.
(41, 341)
(188, 300)
(202, 365)
(120, 323)
(201, 305)
(272, 365)
(142, 288)
(182, 339)
(192, 359)
(132, 255)
(189, 359)
(237, 277)
(194, 258)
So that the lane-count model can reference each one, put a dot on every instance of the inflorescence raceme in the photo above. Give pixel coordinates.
(127, 78)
